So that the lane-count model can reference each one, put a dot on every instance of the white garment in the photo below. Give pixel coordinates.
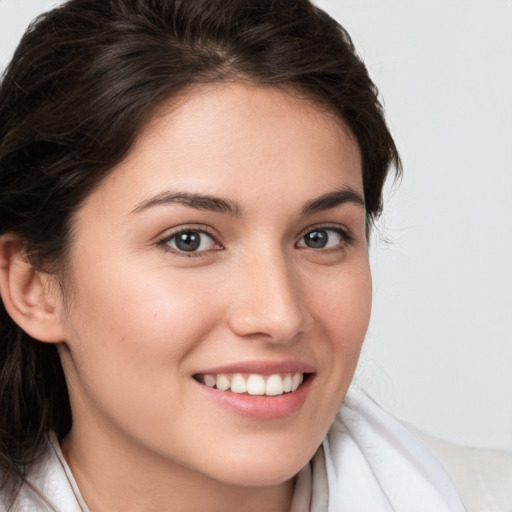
(368, 462)
(50, 486)
(375, 464)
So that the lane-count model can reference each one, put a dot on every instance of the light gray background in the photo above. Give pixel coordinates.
(439, 348)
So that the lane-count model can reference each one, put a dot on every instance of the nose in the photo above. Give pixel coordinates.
(267, 301)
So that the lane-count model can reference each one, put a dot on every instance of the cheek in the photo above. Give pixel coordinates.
(131, 334)
(131, 356)
(141, 306)
(340, 305)
(343, 306)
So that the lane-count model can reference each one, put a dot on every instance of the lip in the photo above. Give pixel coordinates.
(260, 407)
(260, 367)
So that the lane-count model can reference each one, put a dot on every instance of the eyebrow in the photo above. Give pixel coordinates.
(199, 201)
(332, 199)
(226, 206)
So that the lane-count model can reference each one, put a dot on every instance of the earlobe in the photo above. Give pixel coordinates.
(28, 295)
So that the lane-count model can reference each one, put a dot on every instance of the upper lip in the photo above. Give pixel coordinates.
(260, 367)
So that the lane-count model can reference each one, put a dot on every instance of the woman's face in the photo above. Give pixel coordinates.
(229, 248)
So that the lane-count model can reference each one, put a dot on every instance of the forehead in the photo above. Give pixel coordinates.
(239, 141)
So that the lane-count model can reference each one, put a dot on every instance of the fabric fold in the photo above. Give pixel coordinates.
(374, 463)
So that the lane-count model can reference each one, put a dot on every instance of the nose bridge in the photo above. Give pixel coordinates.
(268, 300)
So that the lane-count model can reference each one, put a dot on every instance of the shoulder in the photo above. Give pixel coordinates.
(483, 477)
(47, 487)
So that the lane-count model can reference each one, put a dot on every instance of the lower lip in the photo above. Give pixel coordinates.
(261, 407)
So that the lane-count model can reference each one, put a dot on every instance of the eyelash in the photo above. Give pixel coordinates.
(164, 242)
(346, 239)
(345, 235)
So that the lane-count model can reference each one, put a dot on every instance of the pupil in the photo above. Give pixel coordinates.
(316, 239)
(188, 241)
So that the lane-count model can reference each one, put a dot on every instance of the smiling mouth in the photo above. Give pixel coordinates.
(254, 384)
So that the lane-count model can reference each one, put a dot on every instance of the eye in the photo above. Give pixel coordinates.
(190, 241)
(324, 238)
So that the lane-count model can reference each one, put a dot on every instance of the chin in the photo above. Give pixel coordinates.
(275, 469)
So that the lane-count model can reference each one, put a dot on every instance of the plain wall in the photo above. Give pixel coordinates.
(439, 349)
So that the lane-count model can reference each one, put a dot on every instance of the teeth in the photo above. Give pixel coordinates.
(296, 381)
(210, 380)
(274, 385)
(287, 383)
(222, 382)
(255, 384)
(238, 384)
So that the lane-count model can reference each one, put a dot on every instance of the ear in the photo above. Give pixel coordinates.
(30, 297)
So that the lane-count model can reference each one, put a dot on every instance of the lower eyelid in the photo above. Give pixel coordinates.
(346, 238)
(165, 242)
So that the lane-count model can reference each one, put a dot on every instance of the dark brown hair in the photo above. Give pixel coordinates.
(84, 80)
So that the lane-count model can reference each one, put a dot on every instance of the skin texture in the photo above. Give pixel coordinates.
(141, 319)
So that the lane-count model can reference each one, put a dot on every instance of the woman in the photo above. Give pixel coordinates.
(186, 194)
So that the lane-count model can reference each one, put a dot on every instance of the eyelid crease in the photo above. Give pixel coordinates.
(345, 232)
